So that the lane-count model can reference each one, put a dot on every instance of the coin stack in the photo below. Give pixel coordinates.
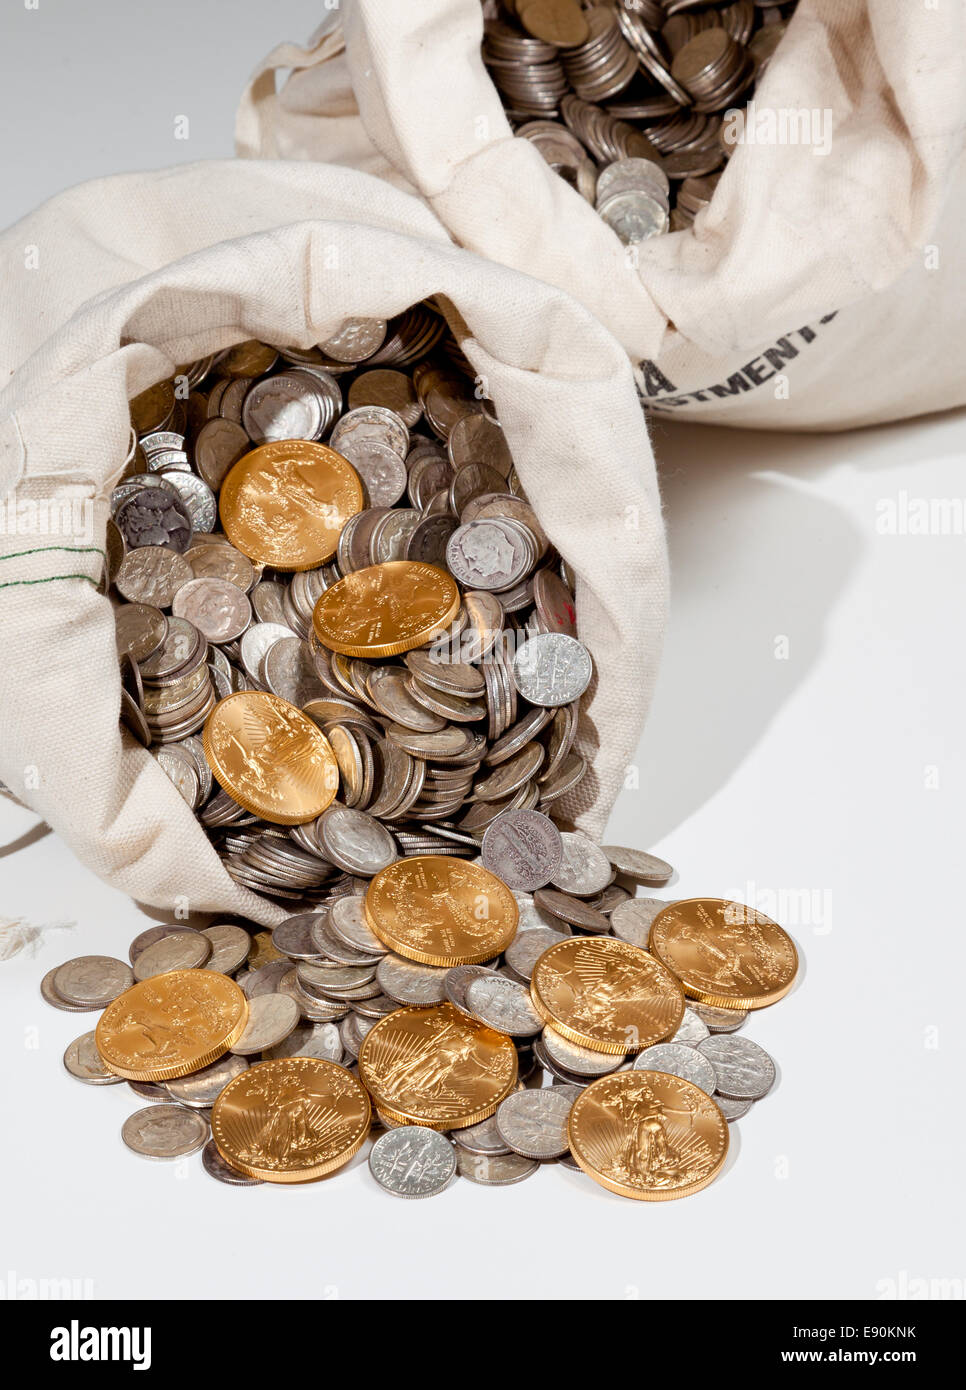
(618, 83)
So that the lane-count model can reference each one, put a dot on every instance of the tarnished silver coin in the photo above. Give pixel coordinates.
(534, 1123)
(692, 1030)
(413, 1162)
(584, 868)
(677, 1059)
(230, 946)
(294, 938)
(177, 951)
(83, 1060)
(504, 1005)
(523, 848)
(744, 1070)
(720, 1020)
(92, 981)
(574, 1058)
(409, 983)
(266, 979)
(197, 499)
(257, 642)
(320, 1040)
(631, 921)
(567, 908)
(165, 1131)
(552, 669)
(636, 865)
(271, 1017)
(490, 554)
(494, 1170)
(139, 628)
(202, 1088)
(483, 1138)
(217, 1167)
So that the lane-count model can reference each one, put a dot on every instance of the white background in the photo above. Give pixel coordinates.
(826, 787)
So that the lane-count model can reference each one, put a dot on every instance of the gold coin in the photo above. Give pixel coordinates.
(606, 995)
(386, 609)
(285, 504)
(170, 1025)
(441, 911)
(261, 951)
(437, 1068)
(647, 1135)
(270, 757)
(291, 1120)
(725, 954)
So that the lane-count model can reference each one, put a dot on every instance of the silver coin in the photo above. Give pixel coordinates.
(165, 1131)
(294, 938)
(152, 575)
(355, 340)
(266, 979)
(552, 669)
(381, 469)
(534, 1123)
(230, 946)
(155, 516)
(584, 868)
(490, 554)
(320, 1040)
(527, 947)
(457, 982)
(692, 1030)
(202, 1088)
(744, 1070)
(483, 1138)
(720, 1020)
(217, 608)
(347, 920)
(677, 1059)
(179, 951)
(149, 1090)
(291, 673)
(197, 498)
(636, 865)
(409, 983)
(413, 1162)
(285, 406)
(92, 981)
(257, 642)
(271, 1017)
(631, 921)
(503, 1005)
(181, 773)
(523, 848)
(573, 1058)
(355, 841)
(83, 1060)
(217, 1167)
(494, 1170)
(732, 1109)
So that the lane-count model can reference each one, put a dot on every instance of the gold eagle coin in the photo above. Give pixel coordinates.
(440, 910)
(170, 1025)
(724, 953)
(386, 609)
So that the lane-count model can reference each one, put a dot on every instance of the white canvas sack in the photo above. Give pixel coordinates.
(819, 289)
(107, 289)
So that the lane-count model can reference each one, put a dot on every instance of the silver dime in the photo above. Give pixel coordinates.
(152, 575)
(165, 1131)
(181, 772)
(355, 841)
(320, 1040)
(489, 554)
(355, 340)
(494, 1170)
(552, 669)
(534, 1123)
(179, 951)
(83, 1060)
(732, 1109)
(92, 981)
(197, 498)
(217, 1167)
(271, 1017)
(257, 642)
(291, 673)
(266, 979)
(677, 1059)
(217, 608)
(294, 938)
(523, 848)
(720, 1020)
(744, 1070)
(409, 983)
(457, 982)
(641, 867)
(692, 1030)
(527, 947)
(347, 920)
(413, 1162)
(483, 1138)
(584, 868)
(504, 1005)
(229, 947)
(285, 406)
(202, 1088)
(631, 921)
(574, 1058)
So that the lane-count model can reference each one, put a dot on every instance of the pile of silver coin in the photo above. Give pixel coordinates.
(617, 84)
(432, 747)
(322, 979)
